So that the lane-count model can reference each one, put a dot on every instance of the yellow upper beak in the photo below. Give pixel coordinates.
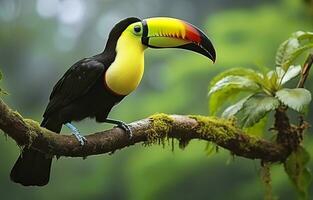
(165, 32)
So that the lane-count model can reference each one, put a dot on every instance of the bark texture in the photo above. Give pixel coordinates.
(153, 130)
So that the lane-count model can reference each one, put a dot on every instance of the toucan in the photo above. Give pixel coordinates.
(92, 86)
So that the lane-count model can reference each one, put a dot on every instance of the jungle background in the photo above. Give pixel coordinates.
(41, 39)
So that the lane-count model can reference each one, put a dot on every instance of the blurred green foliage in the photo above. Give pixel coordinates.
(37, 50)
(299, 173)
(265, 93)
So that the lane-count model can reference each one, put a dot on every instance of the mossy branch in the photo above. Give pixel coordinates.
(154, 129)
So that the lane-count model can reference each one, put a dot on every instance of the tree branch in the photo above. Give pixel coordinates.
(155, 129)
(305, 70)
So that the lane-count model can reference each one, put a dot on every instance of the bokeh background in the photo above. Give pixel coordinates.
(40, 39)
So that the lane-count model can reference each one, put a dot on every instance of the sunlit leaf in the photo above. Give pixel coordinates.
(271, 81)
(296, 166)
(231, 91)
(296, 98)
(280, 72)
(292, 48)
(255, 108)
(295, 54)
(291, 73)
(227, 89)
(235, 82)
(233, 109)
(284, 51)
(227, 95)
(248, 73)
(304, 37)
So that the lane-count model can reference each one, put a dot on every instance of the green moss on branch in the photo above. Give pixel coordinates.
(154, 130)
(160, 126)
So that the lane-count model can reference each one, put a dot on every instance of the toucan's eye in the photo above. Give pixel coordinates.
(137, 29)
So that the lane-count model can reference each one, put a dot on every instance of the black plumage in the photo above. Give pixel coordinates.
(79, 94)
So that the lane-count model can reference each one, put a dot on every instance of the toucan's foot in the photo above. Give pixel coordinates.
(81, 139)
(121, 125)
(126, 128)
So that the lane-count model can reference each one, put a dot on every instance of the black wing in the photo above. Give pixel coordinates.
(75, 83)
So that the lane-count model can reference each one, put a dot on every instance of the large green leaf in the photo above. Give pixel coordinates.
(234, 82)
(291, 73)
(224, 96)
(292, 48)
(255, 108)
(295, 54)
(229, 91)
(257, 129)
(284, 51)
(233, 109)
(296, 98)
(248, 73)
(296, 166)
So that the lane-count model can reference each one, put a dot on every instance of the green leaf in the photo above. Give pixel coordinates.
(291, 73)
(292, 48)
(296, 166)
(304, 37)
(295, 54)
(271, 81)
(233, 109)
(228, 91)
(228, 94)
(296, 98)
(255, 108)
(280, 72)
(284, 51)
(234, 82)
(244, 72)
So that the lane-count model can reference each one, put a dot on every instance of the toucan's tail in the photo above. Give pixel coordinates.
(33, 167)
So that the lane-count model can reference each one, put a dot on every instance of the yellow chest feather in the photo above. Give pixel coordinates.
(125, 73)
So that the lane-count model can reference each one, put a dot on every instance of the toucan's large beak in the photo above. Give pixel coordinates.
(164, 32)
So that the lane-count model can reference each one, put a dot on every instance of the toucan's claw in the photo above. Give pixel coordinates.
(126, 128)
(121, 125)
(81, 139)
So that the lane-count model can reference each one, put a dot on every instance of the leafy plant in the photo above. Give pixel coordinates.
(263, 92)
(252, 95)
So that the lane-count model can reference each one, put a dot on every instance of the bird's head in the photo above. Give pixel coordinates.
(161, 32)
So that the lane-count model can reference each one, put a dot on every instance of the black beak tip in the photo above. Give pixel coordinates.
(212, 55)
(210, 50)
(208, 47)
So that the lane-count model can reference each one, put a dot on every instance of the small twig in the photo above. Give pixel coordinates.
(305, 71)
